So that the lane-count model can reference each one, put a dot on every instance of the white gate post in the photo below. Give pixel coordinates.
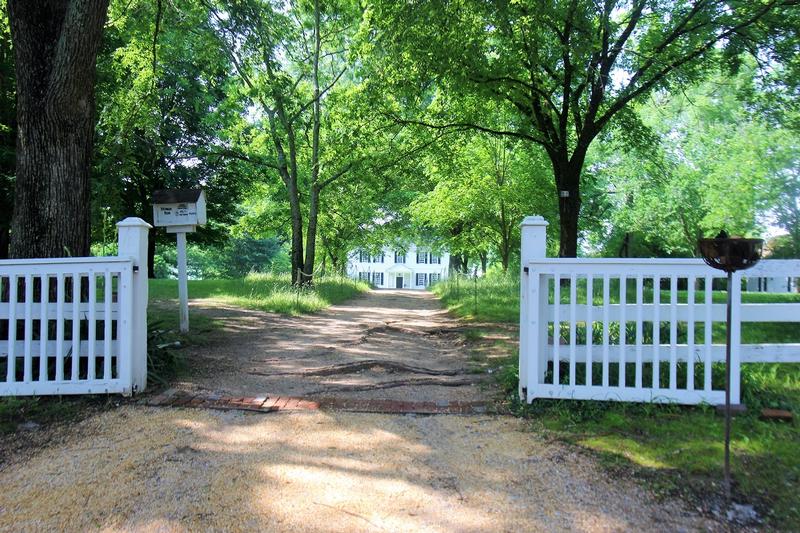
(533, 246)
(133, 235)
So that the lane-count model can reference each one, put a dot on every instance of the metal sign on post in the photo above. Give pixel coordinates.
(180, 211)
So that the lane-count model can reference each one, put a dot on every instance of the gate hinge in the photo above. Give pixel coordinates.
(136, 268)
(525, 269)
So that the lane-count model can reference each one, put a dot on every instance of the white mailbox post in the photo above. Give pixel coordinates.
(180, 211)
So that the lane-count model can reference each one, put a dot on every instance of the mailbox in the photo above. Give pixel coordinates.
(179, 207)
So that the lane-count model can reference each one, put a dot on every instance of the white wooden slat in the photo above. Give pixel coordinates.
(44, 298)
(76, 327)
(639, 333)
(656, 331)
(690, 331)
(107, 294)
(50, 311)
(28, 372)
(113, 386)
(623, 300)
(673, 332)
(589, 327)
(707, 333)
(52, 347)
(60, 327)
(556, 329)
(606, 327)
(749, 353)
(92, 324)
(12, 331)
(630, 394)
(573, 326)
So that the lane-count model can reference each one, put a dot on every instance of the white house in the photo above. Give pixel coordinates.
(416, 268)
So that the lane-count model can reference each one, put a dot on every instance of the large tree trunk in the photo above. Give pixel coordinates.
(568, 178)
(55, 50)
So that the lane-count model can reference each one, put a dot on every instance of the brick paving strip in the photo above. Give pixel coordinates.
(268, 404)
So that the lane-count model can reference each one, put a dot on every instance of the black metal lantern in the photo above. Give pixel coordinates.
(729, 254)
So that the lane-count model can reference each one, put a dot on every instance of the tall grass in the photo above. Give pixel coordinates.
(265, 292)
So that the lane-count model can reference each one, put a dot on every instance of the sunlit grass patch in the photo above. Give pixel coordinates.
(265, 292)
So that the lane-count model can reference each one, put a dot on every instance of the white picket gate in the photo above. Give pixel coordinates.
(601, 329)
(76, 325)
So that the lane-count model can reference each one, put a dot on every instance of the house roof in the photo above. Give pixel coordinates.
(176, 196)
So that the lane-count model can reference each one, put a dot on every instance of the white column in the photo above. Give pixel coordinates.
(133, 235)
(183, 289)
(533, 246)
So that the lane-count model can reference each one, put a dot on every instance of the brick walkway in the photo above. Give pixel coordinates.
(266, 404)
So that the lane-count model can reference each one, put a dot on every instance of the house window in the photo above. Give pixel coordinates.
(433, 278)
(378, 258)
(436, 260)
(422, 280)
(363, 257)
(363, 276)
(422, 258)
(377, 279)
(399, 257)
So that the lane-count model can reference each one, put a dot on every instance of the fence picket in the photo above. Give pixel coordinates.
(12, 329)
(656, 332)
(673, 332)
(690, 333)
(606, 326)
(556, 330)
(639, 298)
(589, 327)
(573, 326)
(28, 363)
(107, 320)
(76, 328)
(44, 297)
(60, 327)
(92, 325)
(623, 306)
(707, 333)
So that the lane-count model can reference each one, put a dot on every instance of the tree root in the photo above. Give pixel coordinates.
(419, 382)
(356, 366)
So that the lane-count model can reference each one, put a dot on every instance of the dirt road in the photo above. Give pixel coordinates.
(383, 344)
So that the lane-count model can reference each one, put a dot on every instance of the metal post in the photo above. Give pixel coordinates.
(728, 392)
(183, 289)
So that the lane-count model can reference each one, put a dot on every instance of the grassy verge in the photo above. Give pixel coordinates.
(676, 450)
(265, 292)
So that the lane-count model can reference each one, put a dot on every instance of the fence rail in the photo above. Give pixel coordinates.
(75, 326)
(643, 330)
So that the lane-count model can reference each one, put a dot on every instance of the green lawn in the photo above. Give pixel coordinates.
(264, 292)
(677, 450)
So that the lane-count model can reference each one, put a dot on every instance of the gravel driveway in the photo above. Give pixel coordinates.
(148, 469)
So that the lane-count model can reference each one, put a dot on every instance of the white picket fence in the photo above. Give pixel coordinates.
(636, 329)
(76, 325)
